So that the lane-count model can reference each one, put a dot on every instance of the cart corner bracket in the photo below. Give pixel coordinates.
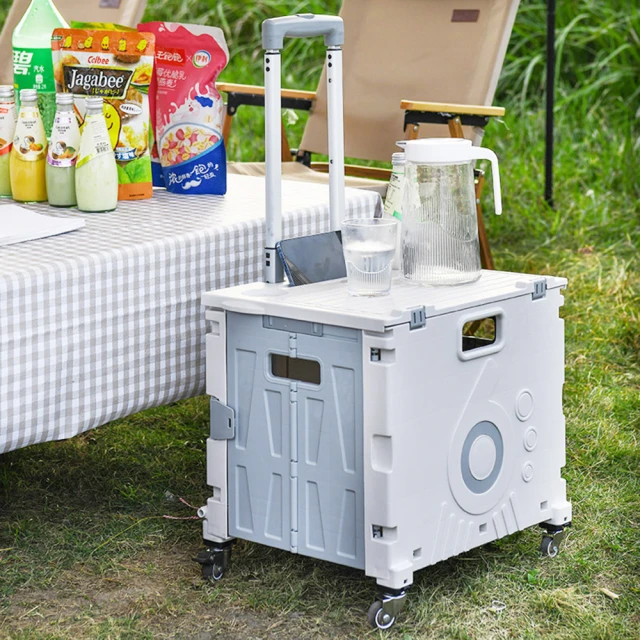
(223, 421)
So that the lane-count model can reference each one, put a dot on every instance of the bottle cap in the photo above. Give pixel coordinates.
(28, 95)
(397, 158)
(94, 102)
(6, 91)
(64, 98)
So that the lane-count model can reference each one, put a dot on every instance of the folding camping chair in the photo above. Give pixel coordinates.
(396, 50)
(125, 12)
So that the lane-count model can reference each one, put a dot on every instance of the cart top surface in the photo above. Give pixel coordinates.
(330, 303)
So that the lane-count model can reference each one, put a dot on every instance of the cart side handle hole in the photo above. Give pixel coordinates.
(295, 369)
(479, 333)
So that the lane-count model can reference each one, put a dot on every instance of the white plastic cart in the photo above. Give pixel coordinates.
(388, 433)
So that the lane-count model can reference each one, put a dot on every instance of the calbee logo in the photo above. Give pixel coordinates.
(201, 58)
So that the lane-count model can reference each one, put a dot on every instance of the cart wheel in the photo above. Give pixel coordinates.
(212, 572)
(548, 548)
(378, 618)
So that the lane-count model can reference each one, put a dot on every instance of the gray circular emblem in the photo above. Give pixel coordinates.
(482, 456)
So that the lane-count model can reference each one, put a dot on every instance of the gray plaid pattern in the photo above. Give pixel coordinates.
(106, 321)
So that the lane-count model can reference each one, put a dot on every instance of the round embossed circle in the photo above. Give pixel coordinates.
(527, 472)
(524, 405)
(482, 455)
(530, 439)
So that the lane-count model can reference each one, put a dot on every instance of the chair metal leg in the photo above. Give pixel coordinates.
(411, 131)
(226, 127)
(455, 128)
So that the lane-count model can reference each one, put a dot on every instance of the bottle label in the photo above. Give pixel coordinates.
(65, 141)
(95, 139)
(393, 201)
(33, 69)
(8, 117)
(29, 140)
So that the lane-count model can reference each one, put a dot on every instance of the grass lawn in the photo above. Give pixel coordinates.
(86, 552)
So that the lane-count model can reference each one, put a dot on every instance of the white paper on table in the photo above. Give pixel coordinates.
(18, 224)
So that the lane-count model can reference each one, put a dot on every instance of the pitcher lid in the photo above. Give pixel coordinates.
(438, 151)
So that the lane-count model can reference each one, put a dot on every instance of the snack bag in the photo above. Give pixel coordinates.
(189, 109)
(117, 65)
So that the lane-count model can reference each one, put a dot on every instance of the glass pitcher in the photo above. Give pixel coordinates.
(439, 225)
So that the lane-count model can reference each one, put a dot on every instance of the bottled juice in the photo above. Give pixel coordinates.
(28, 155)
(63, 154)
(96, 170)
(32, 63)
(8, 117)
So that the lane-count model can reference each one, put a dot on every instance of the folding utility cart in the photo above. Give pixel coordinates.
(385, 434)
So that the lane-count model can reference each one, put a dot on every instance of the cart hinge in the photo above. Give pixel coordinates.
(294, 541)
(222, 420)
(293, 345)
(418, 318)
(293, 391)
(539, 289)
(293, 469)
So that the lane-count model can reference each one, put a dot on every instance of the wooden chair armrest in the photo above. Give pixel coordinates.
(453, 109)
(255, 90)
(356, 171)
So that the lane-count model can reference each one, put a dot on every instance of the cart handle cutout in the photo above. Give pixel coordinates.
(479, 333)
(295, 369)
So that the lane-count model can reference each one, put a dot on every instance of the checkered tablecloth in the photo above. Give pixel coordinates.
(106, 321)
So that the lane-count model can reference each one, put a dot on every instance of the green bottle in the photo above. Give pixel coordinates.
(32, 64)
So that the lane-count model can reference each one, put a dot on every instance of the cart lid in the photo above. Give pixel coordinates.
(330, 303)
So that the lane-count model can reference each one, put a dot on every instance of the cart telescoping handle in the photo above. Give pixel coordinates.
(274, 30)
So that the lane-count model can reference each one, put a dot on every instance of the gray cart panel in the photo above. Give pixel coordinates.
(296, 463)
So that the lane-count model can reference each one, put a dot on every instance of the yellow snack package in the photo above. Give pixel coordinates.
(118, 66)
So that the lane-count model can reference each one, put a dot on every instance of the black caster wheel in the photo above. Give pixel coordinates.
(549, 547)
(378, 618)
(212, 572)
(214, 561)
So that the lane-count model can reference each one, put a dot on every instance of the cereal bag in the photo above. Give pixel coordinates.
(117, 65)
(189, 109)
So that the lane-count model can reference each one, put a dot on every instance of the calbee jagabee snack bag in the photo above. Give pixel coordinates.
(189, 108)
(118, 66)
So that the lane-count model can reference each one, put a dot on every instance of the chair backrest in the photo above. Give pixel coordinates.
(424, 50)
(125, 12)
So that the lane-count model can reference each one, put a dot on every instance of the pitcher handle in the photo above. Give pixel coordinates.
(482, 153)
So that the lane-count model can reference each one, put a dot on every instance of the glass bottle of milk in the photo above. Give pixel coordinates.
(96, 170)
(8, 118)
(63, 154)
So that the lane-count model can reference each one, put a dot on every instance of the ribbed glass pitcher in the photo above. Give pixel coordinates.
(439, 225)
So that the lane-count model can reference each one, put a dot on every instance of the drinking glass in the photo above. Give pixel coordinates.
(369, 245)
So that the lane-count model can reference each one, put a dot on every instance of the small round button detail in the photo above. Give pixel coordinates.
(530, 439)
(527, 472)
(524, 405)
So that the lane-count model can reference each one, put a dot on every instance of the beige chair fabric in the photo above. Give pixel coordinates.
(298, 171)
(125, 12)
(426, 50)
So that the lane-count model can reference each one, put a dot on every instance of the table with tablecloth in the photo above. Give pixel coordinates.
(106, 321)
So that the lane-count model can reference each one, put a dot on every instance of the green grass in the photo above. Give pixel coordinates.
(85, 551)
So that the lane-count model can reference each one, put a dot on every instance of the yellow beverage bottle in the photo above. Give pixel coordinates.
(8, 119)
(28, 156)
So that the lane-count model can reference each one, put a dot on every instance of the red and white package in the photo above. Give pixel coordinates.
(188, 107)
